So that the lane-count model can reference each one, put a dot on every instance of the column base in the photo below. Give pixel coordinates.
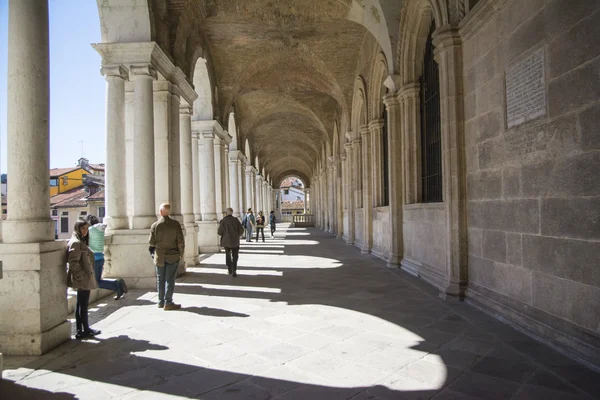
(127, 257)
(115, 223)
(34, 297)
(27, 231)
(143, 221)
(191, 245)
(454, 290)
(394, 261)
(338, 236)
(208, 240)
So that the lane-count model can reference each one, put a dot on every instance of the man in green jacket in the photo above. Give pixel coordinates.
(230, 230)
(167, 246)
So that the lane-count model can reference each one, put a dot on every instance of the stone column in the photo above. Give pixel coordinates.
(305, 208)
(248, 187)
(196, 176)
(234, 184)
(116, 176)
(258, 191)
(218, 168)
(241, 194)
(376, 131)
(350, 193)
(144, 213)
(207, 176)
(33, 304)
(367, 190)
(187, 184)
(395, 179)
(162, 144)
(411, 165)
(340, 195)
(175, 157)
(448, 51)
(253, 197)
(308, 200)
(227, 203)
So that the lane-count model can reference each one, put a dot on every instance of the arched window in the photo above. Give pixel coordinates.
(431, 133)
(386, 163)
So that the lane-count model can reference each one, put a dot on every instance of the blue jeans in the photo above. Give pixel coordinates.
(110, 284)
(249, 234)
(166, 275)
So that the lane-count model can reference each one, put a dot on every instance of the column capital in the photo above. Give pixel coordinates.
(356, 142)
(446, 36)
(343, 157)
(114, 71)
(364, 131)
(409, 90)
(184, 109)
(391, 100)
(196, 135)
(208, 135)
(348, 146)
(142, 70)
(376, 124)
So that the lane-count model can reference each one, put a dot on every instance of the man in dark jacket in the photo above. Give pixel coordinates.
(230, 230)
(167, 246)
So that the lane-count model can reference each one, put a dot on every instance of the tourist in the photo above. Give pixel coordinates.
(80, 276)
(272, 223)
(248, 222)
(167, 247)
(260, 225)
(96, 239)
(230, 230)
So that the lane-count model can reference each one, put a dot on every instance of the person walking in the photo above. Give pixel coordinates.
(80, 276)
(260, 225)
(96, 238)
(272, 223)
(230, 229)
(248, 222)
(167, 246)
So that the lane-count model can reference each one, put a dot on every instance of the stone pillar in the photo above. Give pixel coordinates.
(330, 192)
(116, 176)
(144, 213)
(350, 193)
(258, 191)
(395, 179)
(409, 96)
(219, 187)
(249, 201)
(227, 203)
(162, 144)
(340, 195)
(33, 303)
(196, 177)
(448, 51)
(367, 191)
(187, 185)
(376, 131)
(305, 204)
(207, 176)
(234, 184)
(241, 192)
(175, 157)
(308, 200)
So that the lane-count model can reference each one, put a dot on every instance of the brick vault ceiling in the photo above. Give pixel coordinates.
(287, 67)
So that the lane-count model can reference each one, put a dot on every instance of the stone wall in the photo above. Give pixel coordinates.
(359, 230)
(425, 241)
(345, 224)
(532, 165)
(382, 232)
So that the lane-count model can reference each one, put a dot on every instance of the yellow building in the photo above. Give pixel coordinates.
(65, 179)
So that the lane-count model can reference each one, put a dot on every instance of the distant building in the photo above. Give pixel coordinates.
(67, 207)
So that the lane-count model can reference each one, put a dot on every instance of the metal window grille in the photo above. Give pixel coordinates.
(386, 162)
(431, 134)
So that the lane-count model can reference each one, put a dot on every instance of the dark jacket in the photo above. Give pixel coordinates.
(230, 230)
(80, 274)
(272, 219)
(166, 236)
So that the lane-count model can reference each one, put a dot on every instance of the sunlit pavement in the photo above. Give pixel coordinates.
(308, 317)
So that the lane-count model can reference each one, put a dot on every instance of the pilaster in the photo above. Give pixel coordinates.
(350, 192)
(367, 191)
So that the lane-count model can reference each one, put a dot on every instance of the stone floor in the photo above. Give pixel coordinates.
(308, 318)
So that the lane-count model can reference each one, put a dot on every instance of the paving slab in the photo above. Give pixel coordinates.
(314, 320)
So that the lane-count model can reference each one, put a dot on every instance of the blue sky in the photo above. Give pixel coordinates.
(77, 90)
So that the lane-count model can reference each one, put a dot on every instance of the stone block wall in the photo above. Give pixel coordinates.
(533, 186)
(382, 232)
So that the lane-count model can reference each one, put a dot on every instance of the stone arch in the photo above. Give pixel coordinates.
(414, 28)
(359, 116)
(233, 131)
(277, 181)
(123, 21)
(203, 105)
(379, 74)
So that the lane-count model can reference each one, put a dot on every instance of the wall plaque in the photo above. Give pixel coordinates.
(526, 90)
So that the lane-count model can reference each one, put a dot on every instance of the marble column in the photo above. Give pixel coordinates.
(163, 184)
(308, 200)
(218, 168)
(350, 192)
(329, 190)
(339, 174)
(367, 191)
(144, 213)
(187, 184)
(241, 186)
(253, 197)
(227, 178)
(234, 184)
(395, 179)
(207, 176)
(258, 191)
(249, 201)
(175, 157)
(196, 177)
(376, 131)
(305, 203)
(115, 174)
(33, 304)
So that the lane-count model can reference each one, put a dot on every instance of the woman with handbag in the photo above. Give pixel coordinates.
(260, 225)
(80, 276)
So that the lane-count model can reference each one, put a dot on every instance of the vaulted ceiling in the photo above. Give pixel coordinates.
(287, 68)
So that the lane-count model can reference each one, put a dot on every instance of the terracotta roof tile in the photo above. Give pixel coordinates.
(71, 198)
(292, 205)
(55, 172)
(99, 195)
